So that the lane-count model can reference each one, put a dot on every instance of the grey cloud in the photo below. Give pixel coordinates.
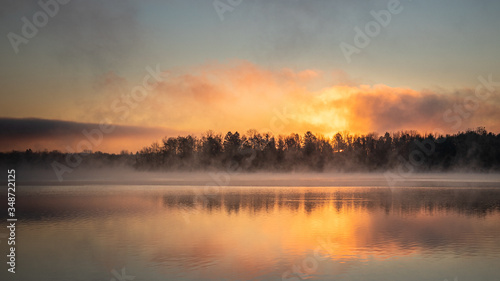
(23, 133)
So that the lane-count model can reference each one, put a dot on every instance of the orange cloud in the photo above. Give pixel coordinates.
(241, 95)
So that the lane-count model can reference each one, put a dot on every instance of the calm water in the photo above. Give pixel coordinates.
(256, 233)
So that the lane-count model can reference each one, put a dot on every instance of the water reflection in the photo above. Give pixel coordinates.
(479, 202)
(244, 233)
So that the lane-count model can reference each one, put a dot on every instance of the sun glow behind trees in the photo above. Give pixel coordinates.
(473, 150)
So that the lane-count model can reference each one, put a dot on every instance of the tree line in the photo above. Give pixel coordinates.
(473, 149)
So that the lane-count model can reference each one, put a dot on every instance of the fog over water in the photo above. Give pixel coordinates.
(231, 178)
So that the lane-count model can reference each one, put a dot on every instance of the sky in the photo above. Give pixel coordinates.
(164, 68)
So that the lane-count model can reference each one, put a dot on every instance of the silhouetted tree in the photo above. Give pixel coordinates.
(473, 149)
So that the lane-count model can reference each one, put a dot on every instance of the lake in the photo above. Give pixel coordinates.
(138, 232)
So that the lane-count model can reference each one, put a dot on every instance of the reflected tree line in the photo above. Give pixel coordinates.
(477, 202)
(477, 150)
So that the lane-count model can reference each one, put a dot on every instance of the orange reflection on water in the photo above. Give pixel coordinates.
(245, 233)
